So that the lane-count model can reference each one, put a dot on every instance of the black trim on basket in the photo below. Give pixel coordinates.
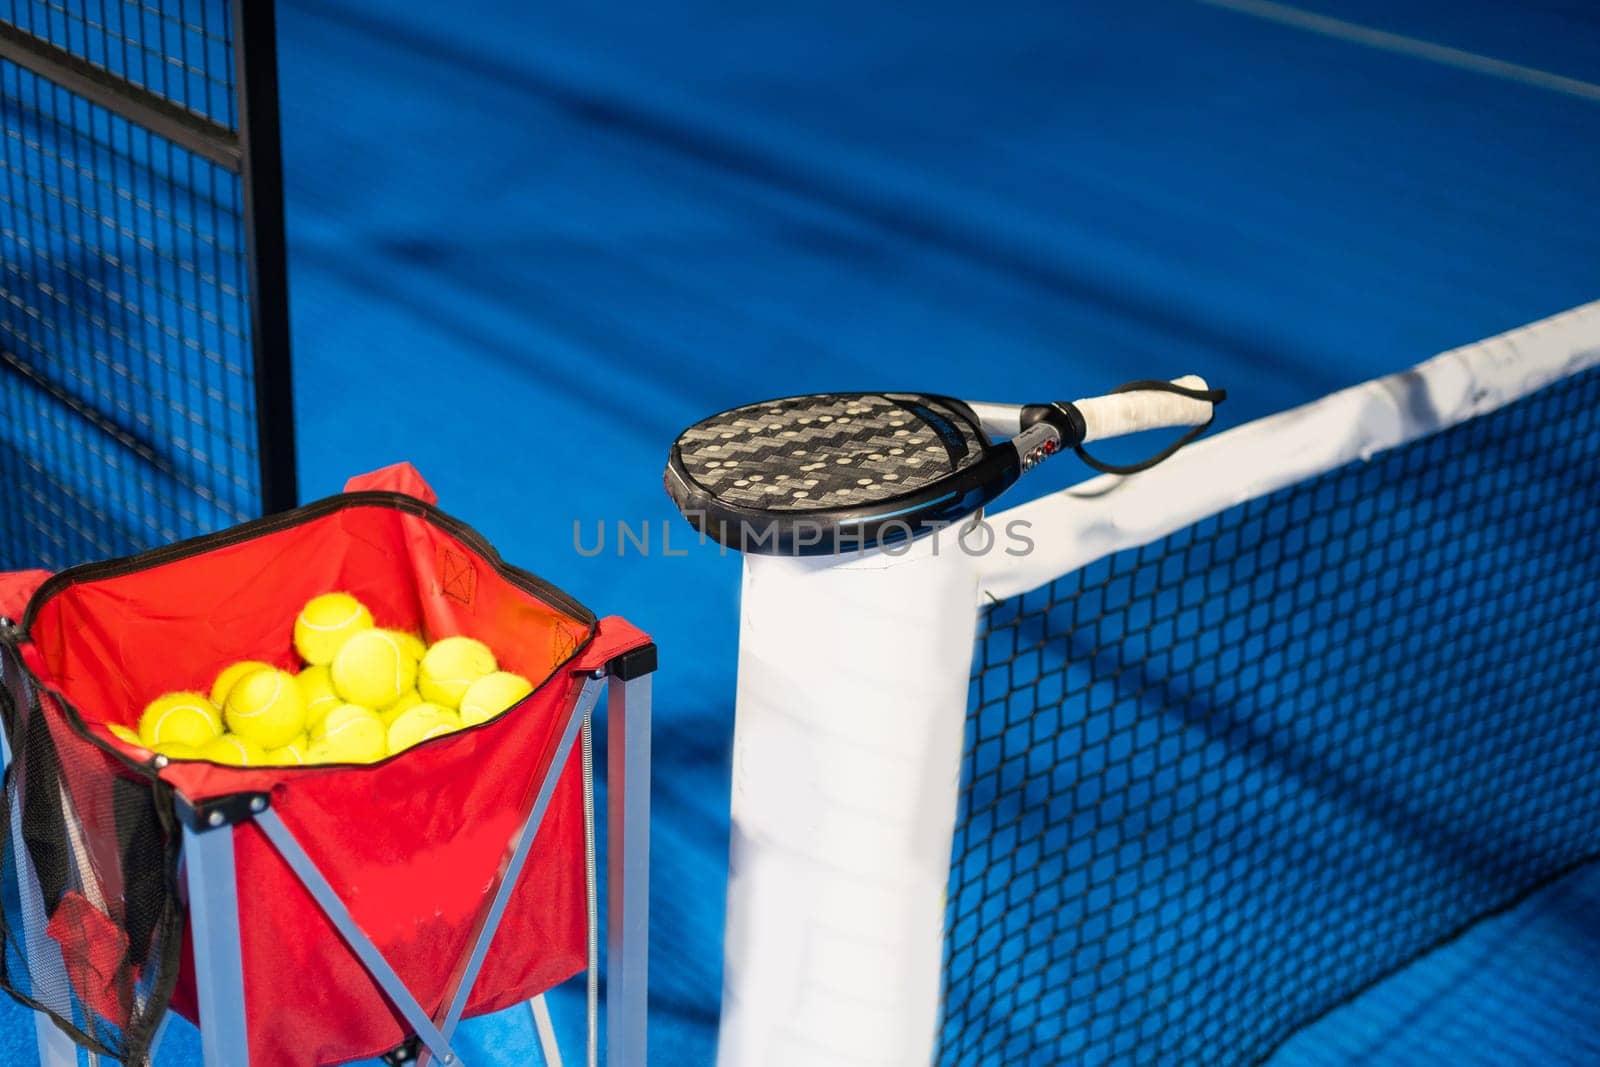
(634, 663)
(224, 812)
(249, 531)
(195, 546)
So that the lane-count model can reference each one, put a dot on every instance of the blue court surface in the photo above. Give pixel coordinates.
(529, 243)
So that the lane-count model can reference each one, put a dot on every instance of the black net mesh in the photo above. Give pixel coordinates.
(127, 393)
(91, 921)
(1216, 785)
(181, 50)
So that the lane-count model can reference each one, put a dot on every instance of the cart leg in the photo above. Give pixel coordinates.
(55, 1048)
(628, 857)
(161, 1035)
(547, 1031)
(218, 959)
(45, 968)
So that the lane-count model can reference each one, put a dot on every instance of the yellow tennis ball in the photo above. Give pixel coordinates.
(390, 712)
(122, 733)
(187, 718)
(173, 750)
(450, 668)
(316, 686)
(417, 724)
(231, 675)
(325, 623)
(373, 670)
(410, 644)
(339, 718)
(266, 706)
(234, 750)
(292, 754)
(349, 733)
(492, 694)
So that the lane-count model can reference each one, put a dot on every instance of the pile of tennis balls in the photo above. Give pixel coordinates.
(365, 693)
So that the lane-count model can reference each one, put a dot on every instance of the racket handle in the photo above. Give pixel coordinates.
(1143, 409)
(1129, 410)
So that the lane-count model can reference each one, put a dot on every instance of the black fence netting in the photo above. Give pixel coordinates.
(91, 922)
(1218, 784)
(129, 369)
(179, 50)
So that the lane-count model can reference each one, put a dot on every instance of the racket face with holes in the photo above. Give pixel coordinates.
(812, 475)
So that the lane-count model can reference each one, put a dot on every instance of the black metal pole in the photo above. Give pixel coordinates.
(207, 139)
(255, 50)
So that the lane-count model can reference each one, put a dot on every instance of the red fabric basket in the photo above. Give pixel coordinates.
(412, 844)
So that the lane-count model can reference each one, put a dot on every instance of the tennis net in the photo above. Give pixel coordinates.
(144, 393)
(1242, 735)
(1216, 783)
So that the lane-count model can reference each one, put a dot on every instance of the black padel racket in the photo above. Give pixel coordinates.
(839, 472)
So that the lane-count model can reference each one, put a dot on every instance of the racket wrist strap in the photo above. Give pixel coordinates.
(1211, 396)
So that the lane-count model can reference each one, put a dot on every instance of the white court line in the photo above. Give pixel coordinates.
(1410, 46)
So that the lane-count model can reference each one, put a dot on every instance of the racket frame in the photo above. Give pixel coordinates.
(891, 521)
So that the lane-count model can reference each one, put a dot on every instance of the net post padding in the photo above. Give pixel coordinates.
(1110, 513)
(851, 696)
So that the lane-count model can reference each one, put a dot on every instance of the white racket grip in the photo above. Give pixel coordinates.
(1124, 413)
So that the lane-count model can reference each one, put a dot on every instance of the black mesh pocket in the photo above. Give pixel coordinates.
(91, 922)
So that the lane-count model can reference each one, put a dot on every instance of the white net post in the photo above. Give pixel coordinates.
(853, 675)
